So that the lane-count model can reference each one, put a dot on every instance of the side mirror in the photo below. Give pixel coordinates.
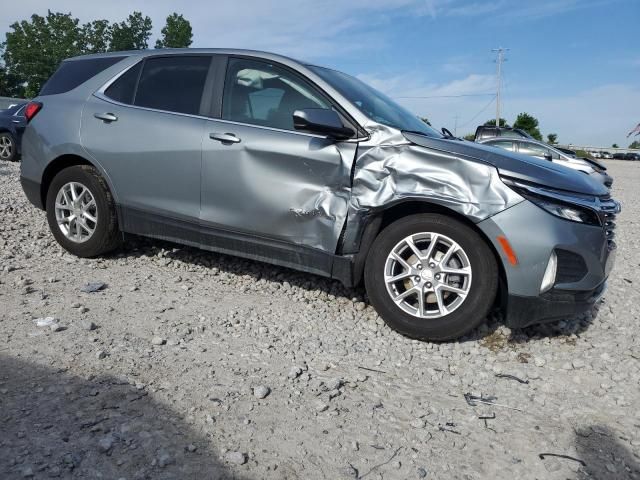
(547, 156)
(321, 121)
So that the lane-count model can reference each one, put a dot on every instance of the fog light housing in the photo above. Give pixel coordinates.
(550, 273)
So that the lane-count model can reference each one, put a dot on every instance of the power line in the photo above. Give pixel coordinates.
(453, 96)
(478, 114)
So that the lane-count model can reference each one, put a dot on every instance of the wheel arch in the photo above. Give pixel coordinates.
(60, 163)
(385, 216)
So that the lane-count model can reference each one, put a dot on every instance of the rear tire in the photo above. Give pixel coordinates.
(402, 267)
(8, 147)
(93, 229)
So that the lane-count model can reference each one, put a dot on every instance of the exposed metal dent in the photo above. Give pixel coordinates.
(390, 169)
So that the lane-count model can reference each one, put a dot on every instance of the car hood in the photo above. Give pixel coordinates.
(514, 165)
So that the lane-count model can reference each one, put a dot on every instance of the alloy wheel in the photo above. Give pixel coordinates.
(6, 147)
(428, 275)
(76, 212)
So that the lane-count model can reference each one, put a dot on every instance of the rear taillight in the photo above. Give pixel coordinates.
(31, 110)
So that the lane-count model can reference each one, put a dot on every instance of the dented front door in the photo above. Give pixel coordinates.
(275, 184)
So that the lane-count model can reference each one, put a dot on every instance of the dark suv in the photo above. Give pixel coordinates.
(261, 156)
(12, 125)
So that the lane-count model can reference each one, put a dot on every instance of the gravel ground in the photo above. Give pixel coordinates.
(190, 364)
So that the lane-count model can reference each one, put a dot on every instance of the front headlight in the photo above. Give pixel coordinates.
(566, 211)
(555, 206)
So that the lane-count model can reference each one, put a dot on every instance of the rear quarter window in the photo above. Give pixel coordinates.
(123, 89)
(72, 73)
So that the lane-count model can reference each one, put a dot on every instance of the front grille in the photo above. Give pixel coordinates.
(571, 267)
(608, 211)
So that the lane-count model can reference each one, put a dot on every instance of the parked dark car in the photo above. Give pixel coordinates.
(631, 156)
(487, 131)
(264, 157)
(619, 156)
(12, 124)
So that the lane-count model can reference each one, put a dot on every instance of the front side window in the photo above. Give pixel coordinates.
(503, 144)
(533, 150)
(263, 94)
(173, 83)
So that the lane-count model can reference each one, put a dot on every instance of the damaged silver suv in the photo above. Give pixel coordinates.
(260, 156)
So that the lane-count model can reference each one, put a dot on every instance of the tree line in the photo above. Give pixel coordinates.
(34, 48)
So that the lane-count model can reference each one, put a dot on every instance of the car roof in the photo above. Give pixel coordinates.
(181, 51)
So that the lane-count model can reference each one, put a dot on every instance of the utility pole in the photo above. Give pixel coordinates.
(500, 58)
(455, 126)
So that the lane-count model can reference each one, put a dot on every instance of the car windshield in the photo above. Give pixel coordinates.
(373, 104)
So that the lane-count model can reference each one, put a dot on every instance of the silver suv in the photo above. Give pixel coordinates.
(264, 157)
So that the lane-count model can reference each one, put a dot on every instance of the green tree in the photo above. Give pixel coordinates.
(635, 144)
(132, 34)
(529, 124)
(492, 122)
(176, 33)
(470, 136)
(96, 36)
(34, 48)
(552, 138)
(615, 145)
(425, 120)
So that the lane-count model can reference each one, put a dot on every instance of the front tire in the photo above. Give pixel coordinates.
(81, 212)
(431, 277)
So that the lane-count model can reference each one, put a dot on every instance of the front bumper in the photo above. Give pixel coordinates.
(553, 305)
(533, 235)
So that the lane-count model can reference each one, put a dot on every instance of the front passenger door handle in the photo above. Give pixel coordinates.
(106, 117)
(225, 138)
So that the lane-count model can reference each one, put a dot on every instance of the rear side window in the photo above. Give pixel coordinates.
(510, 134)
(123, 89)
(173, 83)
(73, 73)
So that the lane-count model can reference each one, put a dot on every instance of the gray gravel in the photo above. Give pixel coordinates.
(163, 373)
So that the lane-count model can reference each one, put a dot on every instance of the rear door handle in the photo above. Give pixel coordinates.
(226, 138)
(16, 121)
(106, 117)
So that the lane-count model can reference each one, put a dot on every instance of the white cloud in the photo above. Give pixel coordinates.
(598, 116)
(301, 28)
(328, 31)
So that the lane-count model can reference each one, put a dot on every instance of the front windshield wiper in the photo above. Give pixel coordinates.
(448, 135)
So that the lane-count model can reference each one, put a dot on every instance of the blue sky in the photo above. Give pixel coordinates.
(574, 64)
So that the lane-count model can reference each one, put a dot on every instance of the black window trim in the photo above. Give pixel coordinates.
(216, 77)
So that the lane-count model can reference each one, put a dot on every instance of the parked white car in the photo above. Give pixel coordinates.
(534, 148)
